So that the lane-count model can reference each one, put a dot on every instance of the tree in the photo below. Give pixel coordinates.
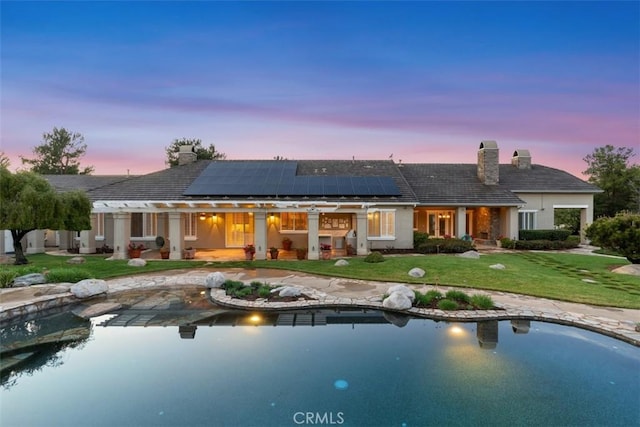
(202, 153)
(610, 170)
(568, 219)
(4, 160)
(620, 233)
(59, 154)
(28, 202)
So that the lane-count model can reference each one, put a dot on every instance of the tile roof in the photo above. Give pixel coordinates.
(83, 182)
(543, 179)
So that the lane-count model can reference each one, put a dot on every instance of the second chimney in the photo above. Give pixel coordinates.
(186, 155)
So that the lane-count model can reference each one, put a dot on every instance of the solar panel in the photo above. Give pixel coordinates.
(278, 178)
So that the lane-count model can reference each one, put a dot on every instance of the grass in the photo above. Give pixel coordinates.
(550, 275)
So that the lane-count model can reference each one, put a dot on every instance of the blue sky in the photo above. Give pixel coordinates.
(426, 81)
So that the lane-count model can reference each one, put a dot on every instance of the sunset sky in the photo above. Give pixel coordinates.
(424, 81)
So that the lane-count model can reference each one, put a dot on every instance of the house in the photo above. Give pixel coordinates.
(358, 205)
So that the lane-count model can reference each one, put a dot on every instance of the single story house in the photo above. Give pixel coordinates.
(359, 205)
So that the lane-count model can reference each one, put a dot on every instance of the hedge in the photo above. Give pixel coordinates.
(544, 234)
(451, 246)
(540, 245)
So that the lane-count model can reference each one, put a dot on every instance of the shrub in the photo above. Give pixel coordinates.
(6, 277)
(541, 245)
(620, 234)
(457, 296)
(434, 294)
(374, 256)
(428, 298)
(419, 238)
(544, 234)
(483, 302)
(71, 275)
(447, 304)
(454, 246)
(264, 291)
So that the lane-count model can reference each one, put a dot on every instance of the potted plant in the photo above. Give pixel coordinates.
(286, 244)
(274, 252)
(163, 245)
(325, 250)
(301, 253)
(249, 250)
(135, 250)
(189, 253)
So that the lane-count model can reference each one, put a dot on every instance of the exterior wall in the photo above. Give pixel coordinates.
(403, 229)
(544, 203)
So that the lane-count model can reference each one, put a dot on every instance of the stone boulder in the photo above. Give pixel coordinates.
(89, 287)
(497, 266)
(470, 255)
(287, 291)
(417, 272)
(404, 290)
(397, 301)
(29, 279)
(137, 262)
(214, 280)
(341, 263)
(76, 260)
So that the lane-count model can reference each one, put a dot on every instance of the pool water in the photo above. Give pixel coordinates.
(231, 368)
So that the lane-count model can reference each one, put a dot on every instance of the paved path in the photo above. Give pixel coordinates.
(328, 291)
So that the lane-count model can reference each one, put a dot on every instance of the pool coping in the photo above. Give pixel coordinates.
(46, 297)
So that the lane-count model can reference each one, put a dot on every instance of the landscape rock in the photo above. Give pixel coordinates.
(89, 287)
(287, 291)
(214, 280)
(29, 279)
(137, 262)
(470, 255)
(77, 260)
(397, 301)
(404, 290)
(497, 266)
(416, 272)
(341, 263)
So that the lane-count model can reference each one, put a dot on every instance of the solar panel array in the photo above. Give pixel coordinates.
(279, 179)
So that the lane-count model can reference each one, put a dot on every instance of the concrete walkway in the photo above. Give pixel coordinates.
(338, 292)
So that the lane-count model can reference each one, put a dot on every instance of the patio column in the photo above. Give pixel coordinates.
(361, 233)
(176, 233)
(461, 222)
(88, 237)
(512, 224)
(121, 234)
(260, 225)
(586, 218)
(313, 242)
(35, 242)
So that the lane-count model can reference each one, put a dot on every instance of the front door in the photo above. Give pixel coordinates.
(239, 229)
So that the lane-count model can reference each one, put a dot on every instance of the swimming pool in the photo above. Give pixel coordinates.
(200, 364)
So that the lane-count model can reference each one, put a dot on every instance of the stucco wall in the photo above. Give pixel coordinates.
(544, 204)
(404, 232)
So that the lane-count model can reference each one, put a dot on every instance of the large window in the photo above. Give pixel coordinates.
(144, 225)
(382, 224)
(526, 220)
(293, 221)
(190, 225)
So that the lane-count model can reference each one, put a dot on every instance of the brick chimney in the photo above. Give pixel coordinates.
(186, 155)
(521, 159)
(489, 163)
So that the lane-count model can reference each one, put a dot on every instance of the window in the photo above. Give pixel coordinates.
(143, 225)
(293, 221)
(382, 224)
(99, 226)
(526, 220)
(190, 229)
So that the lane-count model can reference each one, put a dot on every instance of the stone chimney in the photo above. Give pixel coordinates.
(186, 155)
(489, 163)
(521, 159)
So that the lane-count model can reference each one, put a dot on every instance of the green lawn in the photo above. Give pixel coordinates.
(550, 275)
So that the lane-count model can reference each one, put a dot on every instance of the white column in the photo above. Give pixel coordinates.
(362, 233)
(88, 238)
(35, 242)
(260, 237)
(176, 235)
(512, 231)
(121, 234)
(313, 240)
(586, 218)
(461, 222)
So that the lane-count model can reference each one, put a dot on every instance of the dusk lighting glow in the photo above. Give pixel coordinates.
(412, 81)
